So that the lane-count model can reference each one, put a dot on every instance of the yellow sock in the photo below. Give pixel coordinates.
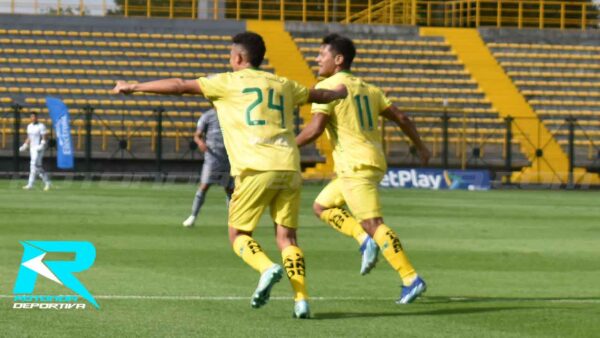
(342, 221)
(392, 250)
(293, 262)
(251, 252)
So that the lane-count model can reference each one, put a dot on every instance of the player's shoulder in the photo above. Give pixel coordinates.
(328, 83)
(224, 76)
(274, 77)
(372, 88)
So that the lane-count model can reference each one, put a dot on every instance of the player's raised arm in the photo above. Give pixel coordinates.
(313, 130)
(166, 86)
(394, 114)
(326, 95)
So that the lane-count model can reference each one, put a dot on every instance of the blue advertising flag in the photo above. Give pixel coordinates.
(59, 113)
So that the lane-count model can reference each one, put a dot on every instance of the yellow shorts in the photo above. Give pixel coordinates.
(257, 190)
(359, 191)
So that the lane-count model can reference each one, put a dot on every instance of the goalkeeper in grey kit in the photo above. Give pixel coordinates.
(216, 169)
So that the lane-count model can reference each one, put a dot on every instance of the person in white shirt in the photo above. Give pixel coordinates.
(36, 142)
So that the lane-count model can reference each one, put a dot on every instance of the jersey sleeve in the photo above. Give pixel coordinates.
(202, 125)
(43, 130)
(214, 86)
(383, 100)
(299, 93)
(324, 108)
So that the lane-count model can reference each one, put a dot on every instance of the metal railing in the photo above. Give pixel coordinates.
(455, 140)
(508, 13)
(456, 13)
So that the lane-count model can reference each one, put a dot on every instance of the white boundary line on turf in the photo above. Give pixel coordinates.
(242, 298)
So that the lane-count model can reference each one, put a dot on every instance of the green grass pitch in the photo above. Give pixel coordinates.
(497, 263)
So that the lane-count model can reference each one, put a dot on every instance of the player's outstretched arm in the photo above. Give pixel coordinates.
(326, 95)
(408, 127)
(167, 86)
(313, 130)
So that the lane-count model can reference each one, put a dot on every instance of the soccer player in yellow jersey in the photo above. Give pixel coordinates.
(351, 124)
(255, 110)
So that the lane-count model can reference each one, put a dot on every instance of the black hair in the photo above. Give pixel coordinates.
(341, 45)
(34, 113)
(254, 45)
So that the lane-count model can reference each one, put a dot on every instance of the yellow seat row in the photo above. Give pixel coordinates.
(151, 124)
(68, 91)
(436, 72)
(112, 53)
(468, 120)
(450, 110)
(364, 51)
(128, 103)
(112, 63)
(567, 75)
(143, 134)
(440, 101)
(110, 113)
(130, 35)
(558, 84)
(580, 143)
(360, 60)
(100, 72)
(424, 80)
(530, 46)
(563, 112)
(561, 123)
(565, 103)
(426, 90)
(470, 140)
(547, 56)
(413, 43)
(561, 93)
(116, 44)
(551, 65)
(579, 133)
(58, 81)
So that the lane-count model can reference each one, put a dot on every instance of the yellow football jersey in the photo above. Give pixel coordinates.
(255, 111)
(353, 127)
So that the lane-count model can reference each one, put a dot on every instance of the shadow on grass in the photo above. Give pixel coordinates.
(466, 299)
(404, 313)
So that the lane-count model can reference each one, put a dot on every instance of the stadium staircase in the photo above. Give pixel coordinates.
(537, 142)
(558, 73)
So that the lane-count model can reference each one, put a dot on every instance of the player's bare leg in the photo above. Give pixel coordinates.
(293, 262)
(393, 252)
(250, 251)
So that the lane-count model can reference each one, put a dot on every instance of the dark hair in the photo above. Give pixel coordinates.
(34, 113)
(341, 45)
(254, 45)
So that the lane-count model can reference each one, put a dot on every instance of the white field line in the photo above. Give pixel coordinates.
(245, 298)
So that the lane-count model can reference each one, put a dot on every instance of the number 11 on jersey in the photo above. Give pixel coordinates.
(361, 111)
